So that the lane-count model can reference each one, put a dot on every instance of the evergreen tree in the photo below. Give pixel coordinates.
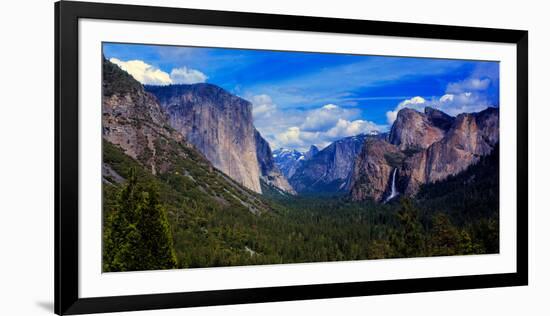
(137, 235)
(466, 245)
(445, 238)
(409, 240)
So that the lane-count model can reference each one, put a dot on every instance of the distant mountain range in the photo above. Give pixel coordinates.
(288, 160)
(188, 181)
(154, 124)
(270, 174)
(330, 169)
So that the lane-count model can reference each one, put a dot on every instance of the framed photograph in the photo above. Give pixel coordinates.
(209, 157)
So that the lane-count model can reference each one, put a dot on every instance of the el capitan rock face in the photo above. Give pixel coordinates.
(136, 126)
(218, 124)
(270, 173)
(330, 169)
(427, 147)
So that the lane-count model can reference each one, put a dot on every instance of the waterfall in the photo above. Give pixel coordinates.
(393, 188)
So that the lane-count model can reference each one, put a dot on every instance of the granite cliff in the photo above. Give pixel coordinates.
(414, 130)
(218, 124)
(270, 173)
(423, 148)
(288, 160)
(330, 169)
(133, 119)
(373, 168)
(471, 136)
(136, 132)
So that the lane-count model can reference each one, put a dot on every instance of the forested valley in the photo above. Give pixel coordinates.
(177, 227)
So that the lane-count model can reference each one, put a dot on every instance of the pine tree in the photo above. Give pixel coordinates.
(409, 240)
(137, 235)
(156, 238)
(445, 239)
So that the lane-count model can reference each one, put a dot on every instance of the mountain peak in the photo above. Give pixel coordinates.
(423, 148)
(287, 160)
(488, 111)
(218, 124)
(330, 169)
(287, 154)
(269, 172)
(429, 109)
(439, 118)
(415, 130)
(118, 81)
(202, 87)
(313, 150)
(199, 93)
(407, 112)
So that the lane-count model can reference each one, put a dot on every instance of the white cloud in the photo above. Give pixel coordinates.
(417, 103)
(143, 72)
(262, 106)
(187, 76)
(299, 138)
(330, 107)
(447, 98)
(464, 96)
(298, 128)
(346, 128)
(147, 74)
(470, 84)
(415, 100)
(271, 121)
(292, 137)
(326, 116)
(465, 102)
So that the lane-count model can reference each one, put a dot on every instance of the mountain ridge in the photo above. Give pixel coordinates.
(269, 171)
(330, 169)
(287, 160)
(135, 126)
(423, 152)
(218, 123)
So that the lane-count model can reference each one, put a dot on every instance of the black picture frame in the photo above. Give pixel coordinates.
(67, 15)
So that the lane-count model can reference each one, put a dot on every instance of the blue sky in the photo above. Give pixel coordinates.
(300, 99)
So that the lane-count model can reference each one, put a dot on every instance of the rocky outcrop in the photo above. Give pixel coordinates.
(330, 169)
(218, 124)
(133, 120)
(312, 151)
(373, 169)
(424, 148)
(471, 136)
(136, 126)
(288, 160)
(439, 118)
(270, 173)
(414, 130)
